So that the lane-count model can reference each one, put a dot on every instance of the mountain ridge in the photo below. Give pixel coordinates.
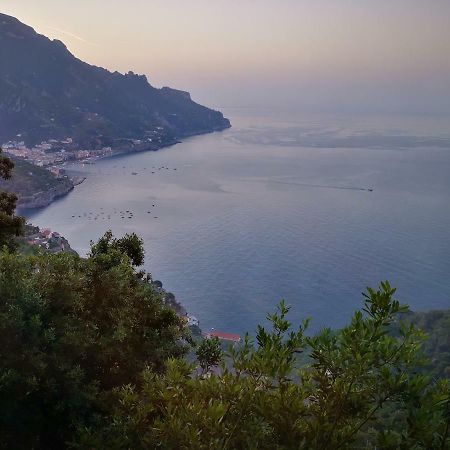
(48, 93)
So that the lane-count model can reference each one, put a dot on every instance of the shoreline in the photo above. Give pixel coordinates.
(152, 147)
(43, 199)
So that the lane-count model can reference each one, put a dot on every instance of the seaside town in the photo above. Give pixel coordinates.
(49, 240)
(54, 153)
(45, 239)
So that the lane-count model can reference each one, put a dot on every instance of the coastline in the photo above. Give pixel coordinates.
(153, 147)
(45, 198)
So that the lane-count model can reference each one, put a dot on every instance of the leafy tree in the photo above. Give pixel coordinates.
(6, 166)
(209, 354)
(10, 224)
(130, 245)
(360, 390)
(73, 330)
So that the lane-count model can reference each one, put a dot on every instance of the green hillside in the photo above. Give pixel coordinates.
(436, 324)
(34, 185)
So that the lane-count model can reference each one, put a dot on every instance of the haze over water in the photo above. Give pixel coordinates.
(280, 206)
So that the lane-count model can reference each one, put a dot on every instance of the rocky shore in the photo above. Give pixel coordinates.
(44, 198)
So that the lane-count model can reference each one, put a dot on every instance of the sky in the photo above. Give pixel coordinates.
(310, 55)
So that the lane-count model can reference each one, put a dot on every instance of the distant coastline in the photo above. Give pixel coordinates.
(152, 147)
(44, 198)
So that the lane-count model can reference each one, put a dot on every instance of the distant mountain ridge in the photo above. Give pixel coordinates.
(46, 92)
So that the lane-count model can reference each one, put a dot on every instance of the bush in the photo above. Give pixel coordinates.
(360, 390)
(72, 330)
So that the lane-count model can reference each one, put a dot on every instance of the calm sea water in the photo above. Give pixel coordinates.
(277, 207)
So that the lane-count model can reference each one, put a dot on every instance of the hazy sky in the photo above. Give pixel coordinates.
(387, 55)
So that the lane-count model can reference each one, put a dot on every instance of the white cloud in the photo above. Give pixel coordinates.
(71, 35)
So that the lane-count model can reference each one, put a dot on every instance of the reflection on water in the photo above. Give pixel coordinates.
(310, 209)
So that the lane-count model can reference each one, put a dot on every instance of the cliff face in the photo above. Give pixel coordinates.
(45, 92)
(45, 197)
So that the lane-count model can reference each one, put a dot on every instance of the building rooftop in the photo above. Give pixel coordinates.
(223, 336)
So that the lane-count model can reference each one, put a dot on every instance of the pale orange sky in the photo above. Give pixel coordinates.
(315, 54)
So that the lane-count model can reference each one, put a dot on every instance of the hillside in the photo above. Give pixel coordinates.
(46, 92)
(34, 185)
(437, 345)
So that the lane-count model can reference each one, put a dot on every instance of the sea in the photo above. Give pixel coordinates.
(309, 208)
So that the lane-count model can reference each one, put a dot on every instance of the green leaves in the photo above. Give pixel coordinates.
(380, 305)
(10, 225)
(130, 245)
(72, 331)
(6, 166)
(359, 389)
(275, 354)
(209, 354)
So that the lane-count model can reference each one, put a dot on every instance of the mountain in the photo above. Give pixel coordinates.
(47, 93)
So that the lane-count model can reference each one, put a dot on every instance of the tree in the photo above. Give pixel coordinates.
(72, 331)
(10, 224)
(360, 389)
(130, 245)
(209, 354)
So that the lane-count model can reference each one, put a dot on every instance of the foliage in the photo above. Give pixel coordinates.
(437, 345)
(30, 181)
(360, 390)
(10, 224)
(109, 247)
(6, 166)
(209, 354)
(72, 330)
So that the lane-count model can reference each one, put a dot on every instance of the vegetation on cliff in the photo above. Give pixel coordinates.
(35, 186)
(10, 224)
(436, 325)
(73, 330)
